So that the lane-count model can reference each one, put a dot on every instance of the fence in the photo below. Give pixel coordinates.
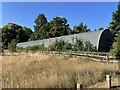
(96, 56)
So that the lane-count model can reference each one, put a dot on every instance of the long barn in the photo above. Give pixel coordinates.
(101, 39)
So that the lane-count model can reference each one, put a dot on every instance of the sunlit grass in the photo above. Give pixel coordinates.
(44, 71)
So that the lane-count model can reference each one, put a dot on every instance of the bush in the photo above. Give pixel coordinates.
(78, 45)
(32, 48)
(60, 45)
(88, 46)
(115, 51)
(12, 46)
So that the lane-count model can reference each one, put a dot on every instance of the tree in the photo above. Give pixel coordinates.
(40, 21)
(101, 28)
(13, 31)
(115, 24)
(56, 27)
(80, 28)
(115, 51)
(27, 33)
(42, 33)
(59, 27)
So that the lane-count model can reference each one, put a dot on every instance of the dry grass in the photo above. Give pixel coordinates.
(45, 71)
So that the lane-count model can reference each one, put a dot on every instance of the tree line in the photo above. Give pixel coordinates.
(58, 26)
(42, 29)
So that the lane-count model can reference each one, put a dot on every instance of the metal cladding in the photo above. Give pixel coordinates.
(101, 39)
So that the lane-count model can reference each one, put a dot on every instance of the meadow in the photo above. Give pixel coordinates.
(35, 70)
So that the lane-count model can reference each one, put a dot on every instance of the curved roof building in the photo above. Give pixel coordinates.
(101, 39)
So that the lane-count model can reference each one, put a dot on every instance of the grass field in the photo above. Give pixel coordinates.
(44, 71)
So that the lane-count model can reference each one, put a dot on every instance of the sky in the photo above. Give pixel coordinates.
(93, 14)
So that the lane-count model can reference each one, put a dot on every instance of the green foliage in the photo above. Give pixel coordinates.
(60, 45)
(42, 33)
(115, 51)
(101, 28)
(40, 21)
(115, 24)
(78, 45)
(13, 31)
(55, 28)
(88, 46)
(115, 29)
(80, 28)
(12, 46)
(32, 48)
(59, 27)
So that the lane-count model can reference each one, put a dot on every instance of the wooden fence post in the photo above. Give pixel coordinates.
(79, 86)
(108, 81)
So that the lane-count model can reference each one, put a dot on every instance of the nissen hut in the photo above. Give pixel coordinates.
(101, 39)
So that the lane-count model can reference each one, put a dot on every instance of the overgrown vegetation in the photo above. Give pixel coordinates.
(58, 26)
(12, 46)
(115, 51)
(115, 29)
(61, 45)
(32, 48)
(35, 70)
(115, 23)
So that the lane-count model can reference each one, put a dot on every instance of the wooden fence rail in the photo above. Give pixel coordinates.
(96, 56)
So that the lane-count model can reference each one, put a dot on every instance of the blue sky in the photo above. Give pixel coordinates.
(93, 14)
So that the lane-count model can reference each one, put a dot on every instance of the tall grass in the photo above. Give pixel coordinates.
(45, 71)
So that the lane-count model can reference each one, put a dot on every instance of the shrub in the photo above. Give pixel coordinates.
(78, 45)
(60, 45)
(88, 46)
(115, 51)
(32, 48)
(12, 46)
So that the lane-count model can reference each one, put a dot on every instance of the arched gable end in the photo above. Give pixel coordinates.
(105, 41)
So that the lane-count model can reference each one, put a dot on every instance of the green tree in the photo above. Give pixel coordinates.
(101, 28)
(40, 21)
(115, 51)
(42, 33)
(59, 27)
(115, 24)
(80, 28)
(13, 31)
(56, 27)
(27, 32)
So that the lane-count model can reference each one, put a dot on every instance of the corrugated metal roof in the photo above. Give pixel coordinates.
(92, 36)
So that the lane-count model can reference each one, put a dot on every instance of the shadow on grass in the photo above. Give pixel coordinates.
(115, 87)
